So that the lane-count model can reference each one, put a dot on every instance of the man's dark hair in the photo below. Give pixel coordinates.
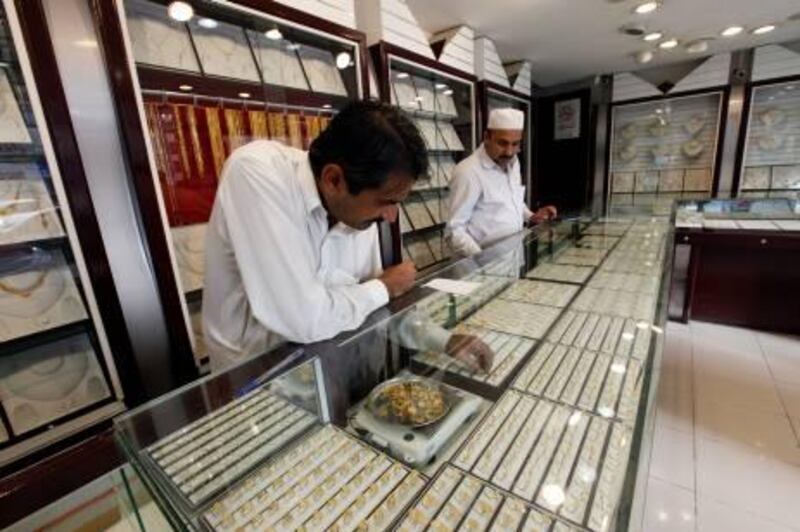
(370, 140)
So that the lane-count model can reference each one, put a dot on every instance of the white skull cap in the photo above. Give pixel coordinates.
(506, 119)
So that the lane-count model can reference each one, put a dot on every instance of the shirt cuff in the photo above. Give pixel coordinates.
(377, 292)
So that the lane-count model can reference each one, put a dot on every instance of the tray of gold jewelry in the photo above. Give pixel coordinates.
(409, 401)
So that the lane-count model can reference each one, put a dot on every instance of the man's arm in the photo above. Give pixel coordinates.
(464, 194)
(275, 257)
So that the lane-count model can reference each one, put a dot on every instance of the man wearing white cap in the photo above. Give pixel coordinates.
(487, 196)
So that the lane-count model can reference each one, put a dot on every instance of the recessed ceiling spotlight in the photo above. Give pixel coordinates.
(273, 34)
(697, 47)
(669, 44)
(208, 23)
(180, 11)
(326, 106)
(645, 56)
(646, 7)
(764, 29)
(440, 86)
(634, 30)
(244, 95)
(342, 60)
(731, 31)
(402, 75)
(448, 92)
(185, 88)
(653, 36)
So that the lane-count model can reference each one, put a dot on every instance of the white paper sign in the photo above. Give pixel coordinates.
(568, 119)
(459, 288)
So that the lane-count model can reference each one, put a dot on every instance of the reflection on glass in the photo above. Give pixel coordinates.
(157, 39)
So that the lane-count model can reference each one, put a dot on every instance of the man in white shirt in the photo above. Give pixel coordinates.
(487, 196)
(292, 251)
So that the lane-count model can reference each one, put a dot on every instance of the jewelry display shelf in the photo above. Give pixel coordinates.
(456, 500)
(328, 480)
(59, 242)
(45, 336)
(558, 458)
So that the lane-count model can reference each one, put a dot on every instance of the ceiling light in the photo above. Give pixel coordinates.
(274, 34)
(731, 31)
(208, 23)
(448, 92)
(185, 88)
(441, 86)
(764, 29)
(697, 47)
(244, 95)
(326, 106)
(402, 75)
(647, 7)
(342, 60)
(668, 45)
(645, 56)
(656, 35)
(292, 46)
(180, 11)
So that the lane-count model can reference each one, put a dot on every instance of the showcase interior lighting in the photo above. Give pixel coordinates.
(448, 92)
(208, 23)
(647, 7)
(180, 11)
(273, 34)
(185, 88)
(653, 36)
(402, 75)
(244, 95)
(343, 60)
(731, 31)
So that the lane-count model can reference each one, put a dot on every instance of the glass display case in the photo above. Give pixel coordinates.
(227, 76)
(743, 214)
(556, 433)
(493, 96)
(57, 375)
(771, 165)
(663, 150)
(441, 101)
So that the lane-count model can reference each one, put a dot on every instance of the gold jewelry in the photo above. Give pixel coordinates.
(27, 291)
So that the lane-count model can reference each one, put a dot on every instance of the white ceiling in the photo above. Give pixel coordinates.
(571, 39)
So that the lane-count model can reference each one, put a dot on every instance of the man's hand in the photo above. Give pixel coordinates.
(399, 279)
(547, 212)
(471, 351)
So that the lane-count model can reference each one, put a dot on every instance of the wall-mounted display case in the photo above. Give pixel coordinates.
(771, 161)
(557, 434)
(58, 305)
(492, 96)
(442, 102)
(233, 73)
(664, 149)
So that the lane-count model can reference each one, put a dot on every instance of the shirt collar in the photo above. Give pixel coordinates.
(489, 164)
(308, 187)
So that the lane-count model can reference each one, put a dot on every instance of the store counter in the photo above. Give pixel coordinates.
(739, 263)
(376, 430)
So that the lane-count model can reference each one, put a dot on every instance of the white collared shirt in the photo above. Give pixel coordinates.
(274, 272)
(485, 204)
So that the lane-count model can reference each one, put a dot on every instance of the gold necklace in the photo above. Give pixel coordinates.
(27, 291)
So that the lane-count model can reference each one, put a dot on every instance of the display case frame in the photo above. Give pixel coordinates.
(488, 89)
(719, 139)
(383, 55)
(130, 84)
(81, 245)
(744, 141)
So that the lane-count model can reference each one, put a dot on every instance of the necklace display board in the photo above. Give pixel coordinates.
(664, 149)
(232, 74)
(771, 165)
(59, 342)
(441, 101)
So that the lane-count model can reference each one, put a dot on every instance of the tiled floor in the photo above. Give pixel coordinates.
(726, 453)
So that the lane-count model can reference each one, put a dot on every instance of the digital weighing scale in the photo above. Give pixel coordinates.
(417, 446)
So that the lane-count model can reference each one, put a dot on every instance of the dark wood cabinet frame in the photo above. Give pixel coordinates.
(124, 90)
(380, 53)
